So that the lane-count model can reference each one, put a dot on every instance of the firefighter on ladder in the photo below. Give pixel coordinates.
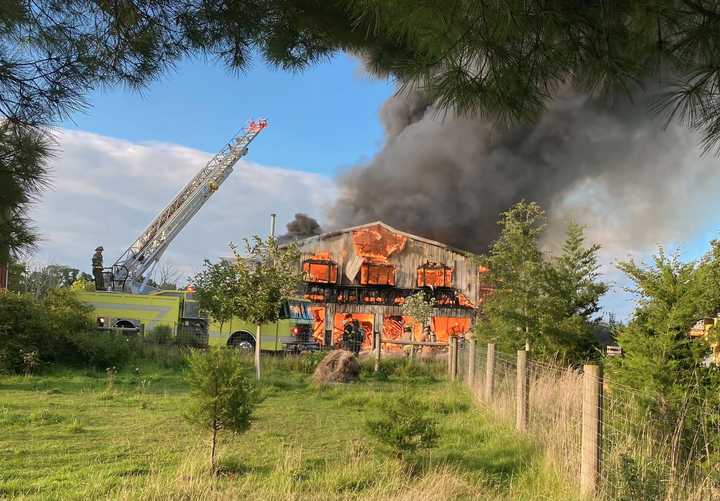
(97, 269)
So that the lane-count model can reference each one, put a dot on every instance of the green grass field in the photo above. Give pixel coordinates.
(67, 435)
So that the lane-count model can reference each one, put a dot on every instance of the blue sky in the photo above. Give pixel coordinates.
(320, 120)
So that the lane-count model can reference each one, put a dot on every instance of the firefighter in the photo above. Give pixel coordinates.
(347, 332)
(358, 337)
(97, 269)
(429, 335)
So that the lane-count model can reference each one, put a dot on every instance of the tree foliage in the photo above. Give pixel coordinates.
(502, 59)
(59, 329)
(215, 289)
(547, 302)
(42, 279)
(516, 273)
(572, 295)
(222, 395)
(404, 426)
(660, 361)
(419, 307)
(266, 275)
(508, 59)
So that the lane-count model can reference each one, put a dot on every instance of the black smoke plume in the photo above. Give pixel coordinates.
(303, 226)
(612, 167)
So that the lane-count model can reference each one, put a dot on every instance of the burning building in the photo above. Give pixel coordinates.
(364, 273)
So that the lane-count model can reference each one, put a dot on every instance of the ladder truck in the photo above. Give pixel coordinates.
(126, 302)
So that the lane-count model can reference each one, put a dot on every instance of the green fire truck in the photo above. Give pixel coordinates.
(141, 313)
(291, 333)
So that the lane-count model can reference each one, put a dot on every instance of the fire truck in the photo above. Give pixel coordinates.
(127, 302)
(291, 333)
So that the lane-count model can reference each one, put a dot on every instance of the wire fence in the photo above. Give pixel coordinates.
(609, 446)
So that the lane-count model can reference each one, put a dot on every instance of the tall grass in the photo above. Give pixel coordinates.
(638, 461)
(555, 403)
(307, 442)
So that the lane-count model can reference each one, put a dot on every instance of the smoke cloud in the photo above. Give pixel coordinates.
(303, 226)
(614, 169)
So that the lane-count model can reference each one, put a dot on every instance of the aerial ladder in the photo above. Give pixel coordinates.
(133, 268)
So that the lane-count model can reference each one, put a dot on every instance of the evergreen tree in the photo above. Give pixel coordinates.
(516, 273)
(660, 361)
(572, 297)
(222, 396)
(548, 304)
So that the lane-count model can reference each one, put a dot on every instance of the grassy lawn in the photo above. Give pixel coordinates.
(67, 435)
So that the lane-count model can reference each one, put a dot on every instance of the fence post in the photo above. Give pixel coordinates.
(378, 349)
(592, 431)
(471, 363)
(452, 358)
(522, 394)
(490, 372)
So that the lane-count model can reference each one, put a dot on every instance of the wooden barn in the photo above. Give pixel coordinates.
(364, 273)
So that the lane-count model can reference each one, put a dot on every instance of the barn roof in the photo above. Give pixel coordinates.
(331, 234)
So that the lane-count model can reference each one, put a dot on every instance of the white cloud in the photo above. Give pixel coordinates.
(106, 191)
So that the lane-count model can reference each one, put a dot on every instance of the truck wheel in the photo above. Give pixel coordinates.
(242, 340)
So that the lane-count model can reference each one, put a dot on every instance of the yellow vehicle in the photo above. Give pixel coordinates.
(291, 333)
(140, 313)
(123, 299)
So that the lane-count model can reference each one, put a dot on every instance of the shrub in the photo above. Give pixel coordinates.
(160, 334)
(404, 426)
(101, 349)
(57, 329)
(23, 325)
(223, 396)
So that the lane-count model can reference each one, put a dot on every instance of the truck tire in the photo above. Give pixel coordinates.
(242, 340)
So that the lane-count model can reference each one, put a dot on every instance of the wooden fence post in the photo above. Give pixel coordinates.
(471, 363)
(452, 358)
(522, 394)
(490, 372)
(592, 429)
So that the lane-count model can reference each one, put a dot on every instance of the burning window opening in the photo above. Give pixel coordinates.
(434, 275)
(377, 274)
(322, 271)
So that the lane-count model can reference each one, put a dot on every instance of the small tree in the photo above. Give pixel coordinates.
(223, 397)
(404, 426)
(215, 288)
(419, 307)
(266, 276)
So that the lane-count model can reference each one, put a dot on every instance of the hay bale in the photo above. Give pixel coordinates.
(339, 366)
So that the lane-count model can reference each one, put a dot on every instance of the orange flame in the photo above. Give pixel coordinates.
(377, 243)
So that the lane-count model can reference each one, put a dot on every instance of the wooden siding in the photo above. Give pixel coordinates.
(415, 253)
